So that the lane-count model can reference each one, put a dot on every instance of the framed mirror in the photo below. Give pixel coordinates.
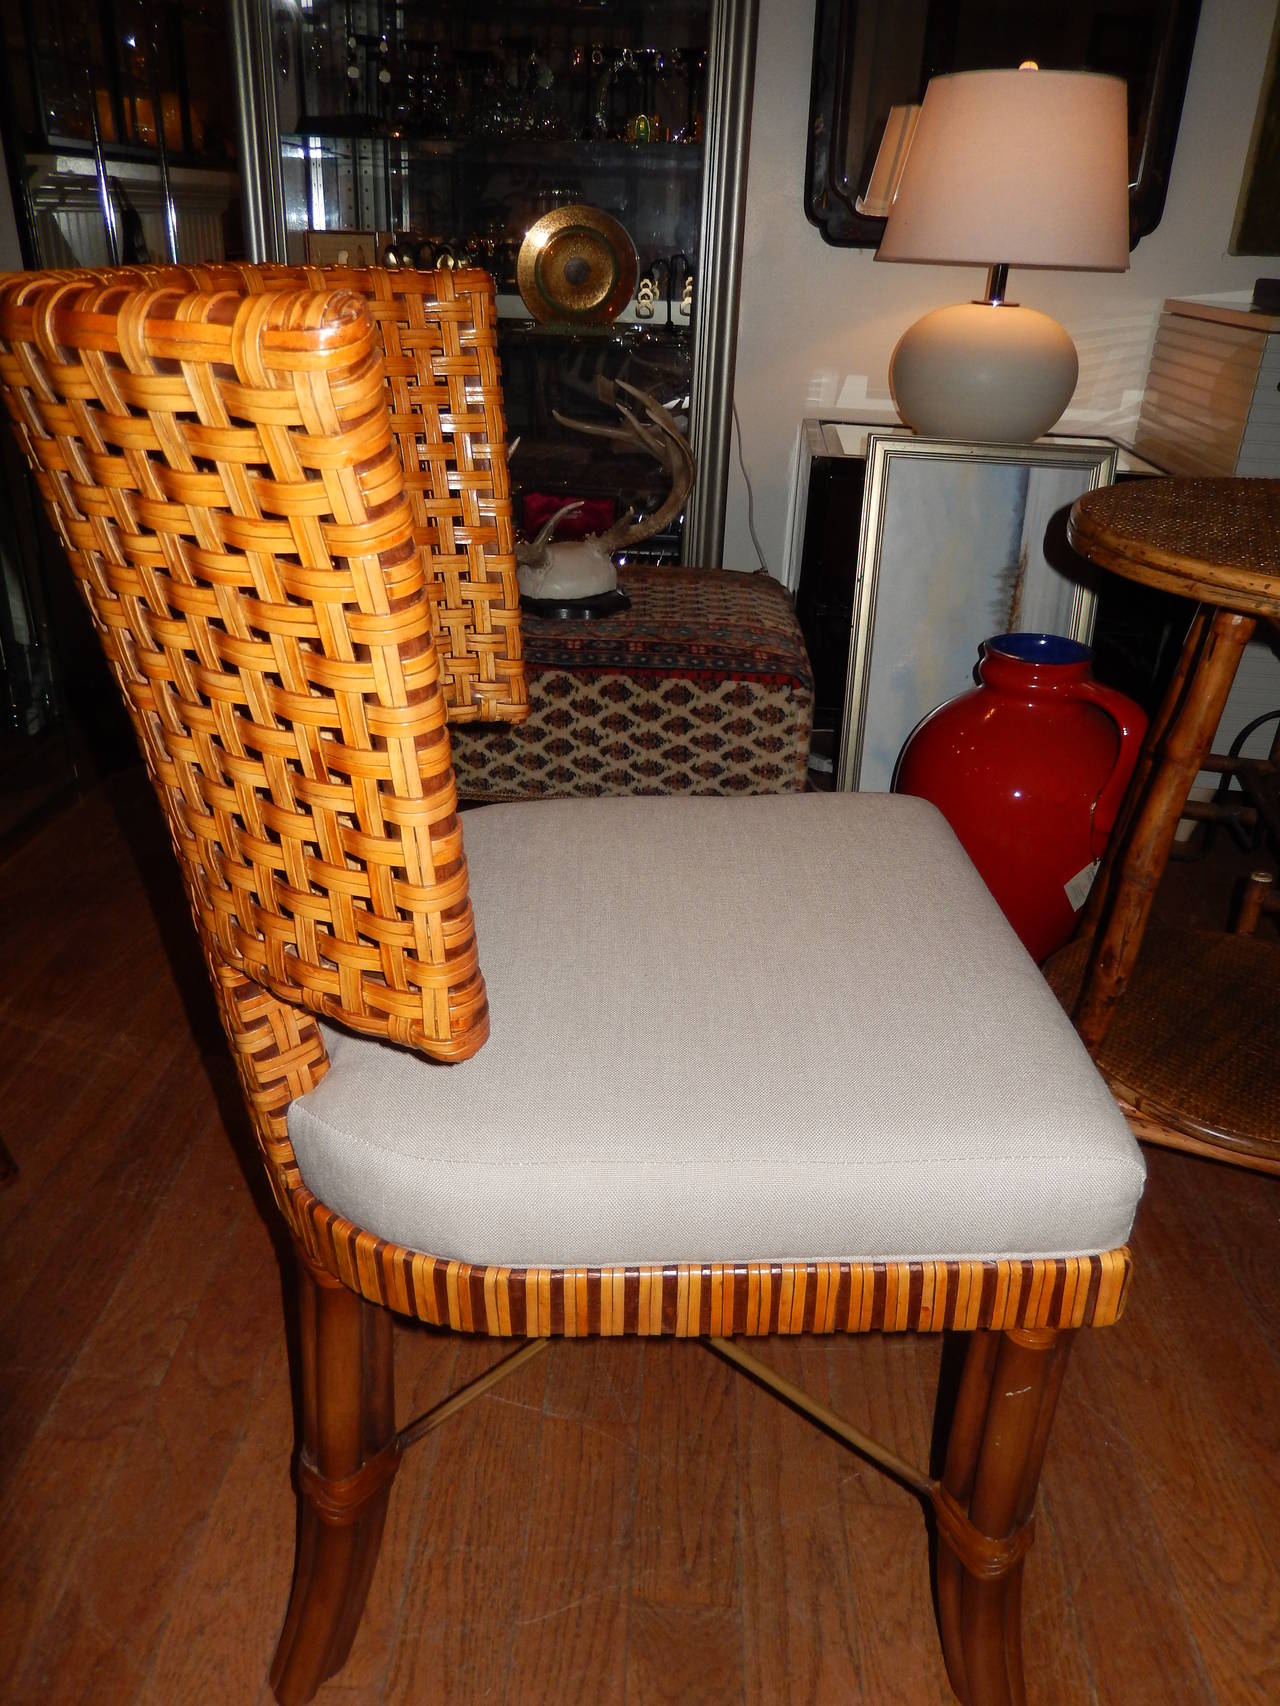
(871, 56)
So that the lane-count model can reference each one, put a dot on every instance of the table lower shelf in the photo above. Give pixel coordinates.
(1192, 1050)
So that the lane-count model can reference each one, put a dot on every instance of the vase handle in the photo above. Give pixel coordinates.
(1131, 720)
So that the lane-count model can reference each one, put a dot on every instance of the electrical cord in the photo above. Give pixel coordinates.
(751, 497)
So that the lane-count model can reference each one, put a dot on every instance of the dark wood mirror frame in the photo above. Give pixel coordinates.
(1150, 41)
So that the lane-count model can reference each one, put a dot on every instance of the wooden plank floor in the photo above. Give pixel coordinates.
(620, 1522)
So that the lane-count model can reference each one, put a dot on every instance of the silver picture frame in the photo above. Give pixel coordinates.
(958, 542)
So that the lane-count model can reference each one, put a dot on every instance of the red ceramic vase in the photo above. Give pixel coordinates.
(1030, 770)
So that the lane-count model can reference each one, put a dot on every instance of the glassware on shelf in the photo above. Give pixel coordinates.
(146, 70)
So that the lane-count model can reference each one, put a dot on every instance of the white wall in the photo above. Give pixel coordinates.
(818, 324)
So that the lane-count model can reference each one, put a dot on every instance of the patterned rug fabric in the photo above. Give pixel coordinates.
(702, 687)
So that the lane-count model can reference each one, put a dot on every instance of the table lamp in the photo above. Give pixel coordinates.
(1006, 168)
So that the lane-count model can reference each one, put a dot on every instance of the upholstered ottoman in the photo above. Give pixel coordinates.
(702, 687)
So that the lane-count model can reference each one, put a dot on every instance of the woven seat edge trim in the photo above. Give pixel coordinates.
(688, 1300)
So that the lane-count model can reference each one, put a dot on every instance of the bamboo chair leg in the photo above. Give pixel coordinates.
(348, 1460)
(984, 1504)
(1258, 898)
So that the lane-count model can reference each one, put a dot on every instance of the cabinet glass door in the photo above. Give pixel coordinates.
(439, 135)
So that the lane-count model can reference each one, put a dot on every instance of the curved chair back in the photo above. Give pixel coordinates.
(225, 478)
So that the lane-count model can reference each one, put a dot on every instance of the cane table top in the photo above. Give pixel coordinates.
(1216, 540)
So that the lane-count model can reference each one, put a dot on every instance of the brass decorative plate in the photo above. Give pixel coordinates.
(577, 264)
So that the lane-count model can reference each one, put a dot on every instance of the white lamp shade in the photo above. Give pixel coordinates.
(1028, 167)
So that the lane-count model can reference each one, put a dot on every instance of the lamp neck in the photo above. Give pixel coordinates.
(997, 283)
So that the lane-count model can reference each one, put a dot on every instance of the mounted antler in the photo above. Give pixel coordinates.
(583, 568)
(668, 444)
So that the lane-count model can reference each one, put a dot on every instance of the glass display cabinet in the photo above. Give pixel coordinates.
(440, 135)
(118, 130)
(117, 118)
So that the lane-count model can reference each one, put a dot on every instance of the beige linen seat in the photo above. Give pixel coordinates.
(756, 1066)
(722, 1051)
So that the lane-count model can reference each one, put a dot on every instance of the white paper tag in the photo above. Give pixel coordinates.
(1079, 886)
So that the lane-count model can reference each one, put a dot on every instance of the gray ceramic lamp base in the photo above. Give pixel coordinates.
(994, 372)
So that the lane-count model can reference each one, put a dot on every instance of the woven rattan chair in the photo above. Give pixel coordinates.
(757, 1066)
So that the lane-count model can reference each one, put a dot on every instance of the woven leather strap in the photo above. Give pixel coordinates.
(343, 1502)
(980, 1555)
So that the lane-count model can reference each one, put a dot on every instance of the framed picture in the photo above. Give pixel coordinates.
(958, 542)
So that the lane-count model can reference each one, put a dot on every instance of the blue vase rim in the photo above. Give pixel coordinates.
(1039, 648)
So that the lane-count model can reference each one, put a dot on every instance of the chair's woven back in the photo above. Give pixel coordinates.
(223, 473)
(439, 339)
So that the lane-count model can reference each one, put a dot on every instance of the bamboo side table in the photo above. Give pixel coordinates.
(1184, 1032)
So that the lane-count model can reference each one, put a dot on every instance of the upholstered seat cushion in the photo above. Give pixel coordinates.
(745, 1029)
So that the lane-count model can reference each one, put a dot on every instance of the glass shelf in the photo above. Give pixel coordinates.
(588, 155)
